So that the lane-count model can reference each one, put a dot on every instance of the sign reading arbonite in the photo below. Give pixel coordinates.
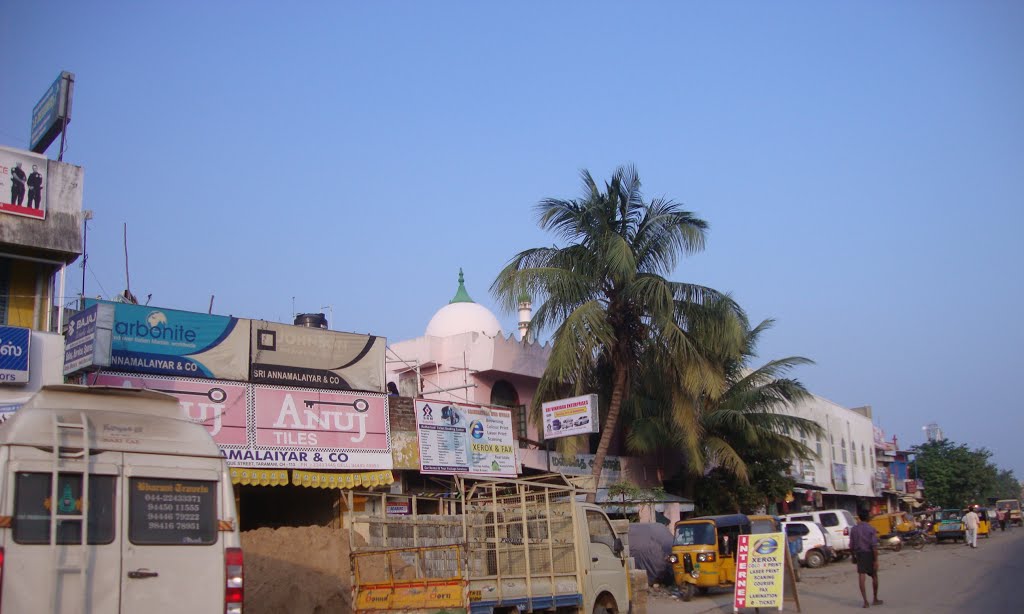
(87, 342)
(290, 355)
(23, 183)
(14, 346)
(172, 342)
(575, 416)
(466, 439)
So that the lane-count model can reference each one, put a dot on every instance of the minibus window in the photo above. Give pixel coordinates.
(172, 512)
(32, 508)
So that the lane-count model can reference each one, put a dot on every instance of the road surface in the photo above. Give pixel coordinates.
(940, 578)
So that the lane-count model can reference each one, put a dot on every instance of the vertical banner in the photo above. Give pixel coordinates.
(87, 342)
(465, 439)
(760, 565)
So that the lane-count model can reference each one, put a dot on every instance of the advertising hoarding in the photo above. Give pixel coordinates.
(183, 343)
(14, 347)
(839, 477)
(289, 355)
(275, 427)
(87, 341)
(760, 568)
(574, 416)
(23, 187)
(465, 439)
(51, 112)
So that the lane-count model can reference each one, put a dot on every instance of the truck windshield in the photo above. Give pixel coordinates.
(693, 534)
(947, 515)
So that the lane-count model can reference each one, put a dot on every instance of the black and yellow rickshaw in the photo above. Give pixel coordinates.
(704, 552)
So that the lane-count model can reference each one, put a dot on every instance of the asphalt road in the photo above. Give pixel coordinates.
(940, 578)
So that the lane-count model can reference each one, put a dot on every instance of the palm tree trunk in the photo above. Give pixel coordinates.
(610, 428)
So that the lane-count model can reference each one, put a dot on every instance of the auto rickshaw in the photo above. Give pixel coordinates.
(704, 552)
(948, 525)
(891, 528)
(984, 522)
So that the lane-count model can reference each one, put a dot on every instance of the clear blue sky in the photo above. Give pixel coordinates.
(861, 165)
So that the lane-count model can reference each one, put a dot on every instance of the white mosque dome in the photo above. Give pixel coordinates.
(462, 315)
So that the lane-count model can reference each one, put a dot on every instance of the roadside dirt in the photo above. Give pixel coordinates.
(299, 570)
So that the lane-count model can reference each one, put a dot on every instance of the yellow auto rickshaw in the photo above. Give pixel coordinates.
(984, 522)
(704, 552)
(892, 523)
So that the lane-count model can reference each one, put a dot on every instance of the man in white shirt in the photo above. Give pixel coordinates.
(970, 521)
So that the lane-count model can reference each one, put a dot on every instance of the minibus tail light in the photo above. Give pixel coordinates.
(234, 578)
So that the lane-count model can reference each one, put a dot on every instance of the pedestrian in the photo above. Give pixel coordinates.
(970, 521)
(864, 550)
(1001, 515)
(35, 187)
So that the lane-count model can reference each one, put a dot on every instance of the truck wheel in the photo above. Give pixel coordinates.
(687, 591)
(605, 605)
(815, 559)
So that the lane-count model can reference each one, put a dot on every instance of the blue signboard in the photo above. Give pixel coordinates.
(14, 344)
(88, 338)
(48, 115)
(161, 341)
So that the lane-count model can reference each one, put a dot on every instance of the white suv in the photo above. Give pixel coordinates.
(817, 543)
(837, 522)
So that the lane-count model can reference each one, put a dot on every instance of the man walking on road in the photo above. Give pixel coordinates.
(864, 547)
(970, 520)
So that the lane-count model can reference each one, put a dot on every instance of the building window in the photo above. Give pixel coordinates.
(832, 444)
(842, 446)
(863, 455)
(853, 450)
(5, 289)
(817, 446)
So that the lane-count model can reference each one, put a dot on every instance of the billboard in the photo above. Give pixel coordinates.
(51, 112)
(88, 338)
(182, 343)
(465, 439)
(14, 346)
(23, 188)
(289, 355)
(760, 565)
(839, 477)
(575, 416)
(275, 427)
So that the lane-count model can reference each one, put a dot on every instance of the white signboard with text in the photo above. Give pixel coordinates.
(566, 417)
(465, 439)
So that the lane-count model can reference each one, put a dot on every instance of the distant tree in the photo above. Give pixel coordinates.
(954, 475)
(721, 491)
(1006, 486)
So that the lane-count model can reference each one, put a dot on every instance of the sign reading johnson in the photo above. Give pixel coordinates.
(290, 355)
(171, 342)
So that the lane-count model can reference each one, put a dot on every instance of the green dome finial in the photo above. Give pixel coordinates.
(461, 296)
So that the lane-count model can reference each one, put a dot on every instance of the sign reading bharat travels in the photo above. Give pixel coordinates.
(23, 183)
(14, 346)
(289, 355)
(172, 342)
(282, 428)
(760, 568)
(575, 416)
(87, 342)
(465, 439)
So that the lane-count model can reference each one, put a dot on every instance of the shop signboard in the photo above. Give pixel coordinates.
(839, 477)
(23, 183)
(574, 416)
(583, 464)
(275, 427)
(322, 429)
(220, 406)
(159, 341)
(760, 568)
(14, 363)
(289, 355)
(465, 439)
(52, 112)
(87, 342)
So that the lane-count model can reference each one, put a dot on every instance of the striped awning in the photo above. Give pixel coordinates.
(310, 479)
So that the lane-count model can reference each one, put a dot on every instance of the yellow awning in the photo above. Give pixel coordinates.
(259, 477)
(314, 479)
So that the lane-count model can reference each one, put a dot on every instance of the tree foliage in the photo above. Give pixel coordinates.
(954, 475)
(722, 492)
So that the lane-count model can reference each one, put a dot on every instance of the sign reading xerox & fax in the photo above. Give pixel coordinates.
(171, 342)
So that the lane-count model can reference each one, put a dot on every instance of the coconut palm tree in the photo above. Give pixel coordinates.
(606, 296)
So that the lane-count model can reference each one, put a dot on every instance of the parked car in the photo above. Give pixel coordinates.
(817, 542)
(837, 522)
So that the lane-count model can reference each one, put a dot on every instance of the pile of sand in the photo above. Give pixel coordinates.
(299, 570)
